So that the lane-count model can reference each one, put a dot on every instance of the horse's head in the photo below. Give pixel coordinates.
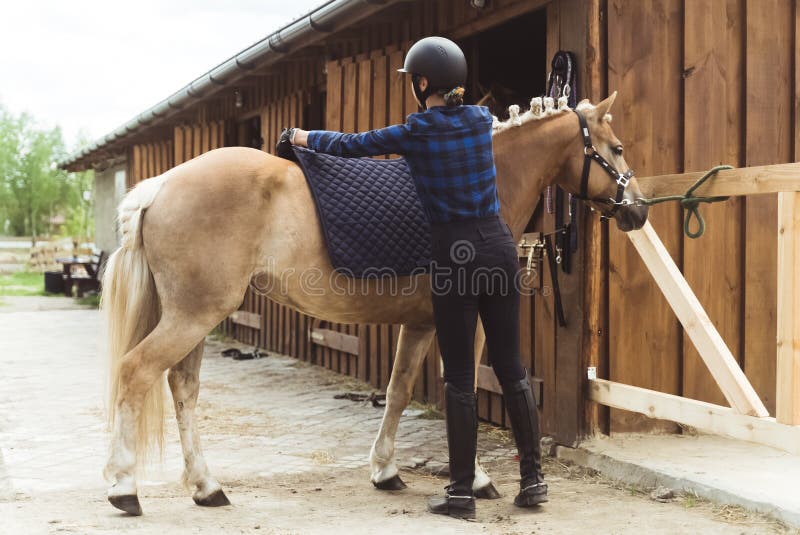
(596, 171)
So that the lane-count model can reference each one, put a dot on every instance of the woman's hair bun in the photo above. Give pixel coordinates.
(454, 97)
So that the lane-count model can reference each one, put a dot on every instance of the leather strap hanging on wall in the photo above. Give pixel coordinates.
(562, 82)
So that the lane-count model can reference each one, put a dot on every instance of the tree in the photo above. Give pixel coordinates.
(32, 189)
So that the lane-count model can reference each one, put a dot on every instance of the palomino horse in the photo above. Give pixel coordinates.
(255, 212)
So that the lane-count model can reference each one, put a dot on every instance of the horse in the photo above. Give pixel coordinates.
(160, 300)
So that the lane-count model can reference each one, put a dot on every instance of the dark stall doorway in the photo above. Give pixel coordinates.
(248, 133)
(509, 61)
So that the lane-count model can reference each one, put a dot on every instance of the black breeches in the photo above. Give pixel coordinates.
(475, 271)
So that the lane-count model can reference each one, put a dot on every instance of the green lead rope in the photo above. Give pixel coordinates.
(691, 203)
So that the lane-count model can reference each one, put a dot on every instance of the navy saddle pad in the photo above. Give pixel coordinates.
(371, 214)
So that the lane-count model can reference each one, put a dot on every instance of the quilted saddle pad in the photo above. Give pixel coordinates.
(371, 214)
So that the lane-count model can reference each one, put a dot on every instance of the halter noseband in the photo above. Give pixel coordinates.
(621, 179)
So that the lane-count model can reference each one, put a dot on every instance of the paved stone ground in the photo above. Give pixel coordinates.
(290, 456)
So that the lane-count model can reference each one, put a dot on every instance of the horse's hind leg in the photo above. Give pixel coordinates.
(184, 381)
(412, 345)
(171, 340)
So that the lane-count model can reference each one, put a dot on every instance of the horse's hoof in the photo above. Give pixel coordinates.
(393, 483)
(487, 493)
(215, 499)
(128, 503)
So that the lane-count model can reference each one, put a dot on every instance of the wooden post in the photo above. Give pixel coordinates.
(721, 363)
(787, 396)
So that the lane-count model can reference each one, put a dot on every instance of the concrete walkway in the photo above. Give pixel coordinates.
(291, 458)
(756, 477)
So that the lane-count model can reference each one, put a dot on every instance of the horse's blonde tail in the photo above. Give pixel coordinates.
(131, 310)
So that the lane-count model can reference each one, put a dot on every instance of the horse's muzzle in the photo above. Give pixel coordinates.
(631, 217)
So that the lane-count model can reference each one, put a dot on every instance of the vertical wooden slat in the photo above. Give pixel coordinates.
(364, 95)
(350, 96)
(788, 314)
(644, 64)
(133, 175)
(333, 106)
(178, 137)
(197, 147)
(385, 354)
(712, 136)
(212, 135)
(379, 91)
(188, 143)
(164, 149)
(787, 409)
(397, 83)
(769, 30)
(374, 355)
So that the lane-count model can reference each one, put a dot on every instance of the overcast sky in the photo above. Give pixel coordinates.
(94, 64)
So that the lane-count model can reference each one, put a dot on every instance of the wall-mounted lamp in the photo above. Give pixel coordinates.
(478, 4)
(238, 96)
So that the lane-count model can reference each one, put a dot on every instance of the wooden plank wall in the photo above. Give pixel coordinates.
(356, 70)
(146, 160)
(364, 91)
(701, 84)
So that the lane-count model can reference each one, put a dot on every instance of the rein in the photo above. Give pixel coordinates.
(692, 203)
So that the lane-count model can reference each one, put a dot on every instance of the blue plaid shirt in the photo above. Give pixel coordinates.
(449, 153)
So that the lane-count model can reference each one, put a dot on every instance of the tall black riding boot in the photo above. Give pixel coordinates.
(521, 407)
(462, 437)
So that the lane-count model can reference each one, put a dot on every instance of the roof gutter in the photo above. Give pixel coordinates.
(332, 16)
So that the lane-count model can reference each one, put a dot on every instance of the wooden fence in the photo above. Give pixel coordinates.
(700, 84)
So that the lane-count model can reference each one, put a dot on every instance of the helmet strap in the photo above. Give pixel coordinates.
(421, 95)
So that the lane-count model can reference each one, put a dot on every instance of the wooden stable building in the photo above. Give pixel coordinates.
(701, 83)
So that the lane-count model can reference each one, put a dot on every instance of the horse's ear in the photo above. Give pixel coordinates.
(602, 109)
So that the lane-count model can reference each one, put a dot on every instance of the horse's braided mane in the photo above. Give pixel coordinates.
(541, 107)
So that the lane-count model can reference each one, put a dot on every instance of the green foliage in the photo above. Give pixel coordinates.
(92, 300)
(22, 283)
(33, 191)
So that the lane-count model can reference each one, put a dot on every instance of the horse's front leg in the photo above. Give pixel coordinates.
(184, 382)
(482, 485)
(412, 346)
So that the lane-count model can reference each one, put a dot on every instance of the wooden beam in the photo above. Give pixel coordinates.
(488, 381)
(248, 319)
(493, 18)
(787, 397)
(699, 414)
(696, 323)
(335, 340)
(754, 180)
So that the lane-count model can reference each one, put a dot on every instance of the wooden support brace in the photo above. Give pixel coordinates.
(754, 180)
(709, 344)
(788, 369)
(698, 414)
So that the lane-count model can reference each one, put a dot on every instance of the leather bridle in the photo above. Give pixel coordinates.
(621, 179)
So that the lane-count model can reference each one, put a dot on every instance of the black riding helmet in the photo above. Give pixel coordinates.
(439, 60)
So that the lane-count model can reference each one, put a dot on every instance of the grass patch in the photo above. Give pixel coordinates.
(219, 336)
(92, 300)
(429, 412)
(22, 283)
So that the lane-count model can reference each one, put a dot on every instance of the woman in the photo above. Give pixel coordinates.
(448, 148)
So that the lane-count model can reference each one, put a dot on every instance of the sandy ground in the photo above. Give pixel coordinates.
(291, 458)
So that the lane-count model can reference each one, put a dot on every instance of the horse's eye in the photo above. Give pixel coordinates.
(618, 149)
